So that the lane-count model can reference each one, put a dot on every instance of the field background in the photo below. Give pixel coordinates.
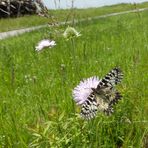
(37, 108)
(64, 15)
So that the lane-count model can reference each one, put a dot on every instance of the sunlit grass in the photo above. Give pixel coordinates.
(64, 15)
(22, 22)
(36, 106)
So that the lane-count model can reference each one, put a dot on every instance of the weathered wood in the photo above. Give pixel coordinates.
(16, 8)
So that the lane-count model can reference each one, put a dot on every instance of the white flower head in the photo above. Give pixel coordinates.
(71, 32)
(44, 44)
(84, 89)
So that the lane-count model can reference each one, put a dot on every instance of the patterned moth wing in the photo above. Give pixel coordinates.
(108, 96)
(111, 79)
(104, 96)
(89, 107)
(115, 100)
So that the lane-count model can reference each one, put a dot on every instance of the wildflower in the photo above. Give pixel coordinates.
(44, 44)
(29, 78)
(71, 32)
(84, 89)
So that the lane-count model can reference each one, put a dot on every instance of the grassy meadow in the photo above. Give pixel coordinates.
(37, 108)
(65, 15)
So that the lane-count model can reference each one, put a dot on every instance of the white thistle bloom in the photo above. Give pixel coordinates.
(83, 89)
(71, 32)
(45, 43)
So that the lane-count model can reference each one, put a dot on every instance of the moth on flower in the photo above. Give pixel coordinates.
(71, 32)
(44, 44)
(95, 95)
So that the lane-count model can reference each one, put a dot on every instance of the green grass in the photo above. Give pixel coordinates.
(91, 12)
(64, 15)
(37, 109)
(21, 22)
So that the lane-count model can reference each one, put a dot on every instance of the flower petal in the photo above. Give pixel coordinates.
(84, 88)
(45, 43)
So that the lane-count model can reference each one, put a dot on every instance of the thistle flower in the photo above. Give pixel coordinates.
(44, 44)
(83, 89)
(71, 32)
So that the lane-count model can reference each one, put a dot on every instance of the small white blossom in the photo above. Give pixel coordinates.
(71, 32)
(29, 78)
(44, 44)
(84, 89)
